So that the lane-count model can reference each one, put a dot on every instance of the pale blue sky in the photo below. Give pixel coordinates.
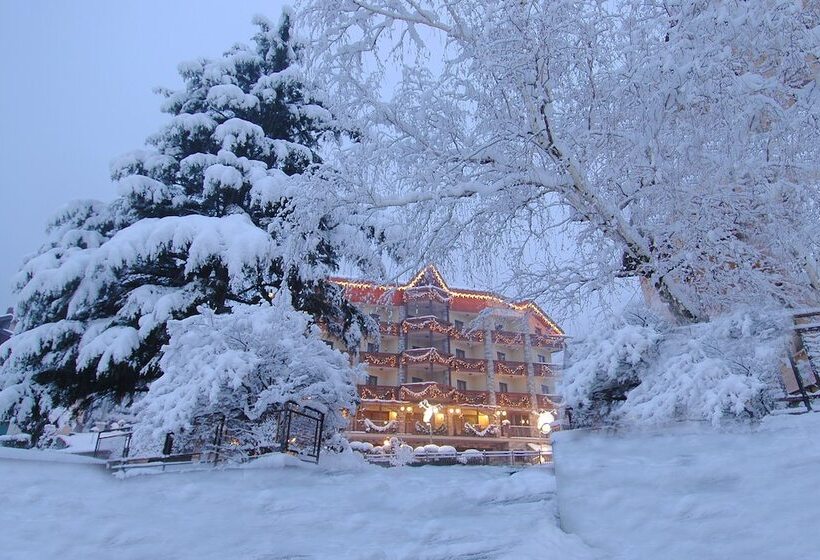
(76, 90)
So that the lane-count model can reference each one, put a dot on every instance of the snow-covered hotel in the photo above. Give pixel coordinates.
(455, 367)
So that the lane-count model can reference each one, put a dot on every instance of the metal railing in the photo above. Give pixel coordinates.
(473, 457)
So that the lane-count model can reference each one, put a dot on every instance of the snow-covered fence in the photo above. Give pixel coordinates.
(443, 456)
(293, 429)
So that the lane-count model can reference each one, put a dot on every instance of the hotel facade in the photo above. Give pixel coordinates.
(454, 367)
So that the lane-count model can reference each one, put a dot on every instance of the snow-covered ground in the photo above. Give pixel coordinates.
(278, 510)
(693, 492)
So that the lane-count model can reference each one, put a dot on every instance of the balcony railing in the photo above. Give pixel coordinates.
(388, 428)
(508, 338)
(548, 341)
(425, 356)
(545, 370)
(443, 394)
(473, 365)
(511, 368)
(470, 365)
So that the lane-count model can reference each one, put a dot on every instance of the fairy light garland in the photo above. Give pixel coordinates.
(519, 306)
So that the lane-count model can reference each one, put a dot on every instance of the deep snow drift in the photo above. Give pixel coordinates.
(694, 492)
(352, 511)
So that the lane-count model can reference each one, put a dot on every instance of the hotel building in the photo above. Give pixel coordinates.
(478, 365)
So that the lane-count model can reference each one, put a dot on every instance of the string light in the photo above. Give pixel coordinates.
(463, 294)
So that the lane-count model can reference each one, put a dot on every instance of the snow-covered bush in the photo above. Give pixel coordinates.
(471, 456)
(243, 365)
(642, 370)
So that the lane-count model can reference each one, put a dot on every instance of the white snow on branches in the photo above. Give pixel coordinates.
(252, 359)
(643, 371)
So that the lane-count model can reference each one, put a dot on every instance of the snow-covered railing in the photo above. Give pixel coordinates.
(443, 456)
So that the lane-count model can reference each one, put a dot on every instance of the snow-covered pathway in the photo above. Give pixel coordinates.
(66, 511)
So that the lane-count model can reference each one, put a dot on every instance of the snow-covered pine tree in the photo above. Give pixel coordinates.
(214, 213)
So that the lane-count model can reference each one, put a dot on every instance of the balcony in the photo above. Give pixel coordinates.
(468, 365)
(380, 359)
(425, 356)
(511, 368)
(508, 338)
(553, 342)
(389, 329)
(545, 370)
(438, 393)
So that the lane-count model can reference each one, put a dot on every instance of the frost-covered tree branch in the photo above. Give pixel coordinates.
(674, 142)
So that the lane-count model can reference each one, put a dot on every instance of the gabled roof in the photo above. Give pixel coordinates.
(430, 276)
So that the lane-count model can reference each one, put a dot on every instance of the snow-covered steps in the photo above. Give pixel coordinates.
(694, 492)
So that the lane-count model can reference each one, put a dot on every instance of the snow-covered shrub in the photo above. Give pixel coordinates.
(403, 454)
(471, 457)
(243, 365)
(642, 370)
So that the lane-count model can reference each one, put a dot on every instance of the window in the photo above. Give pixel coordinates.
(542, 359)
(418, 380)
(499, 327)
(545, 389)
(460, 353)
(501, 356)
(372, 380)
(372, 347)
(538, 331)
(502, 388)
(459, 325)
(461, 385)
(416, 347)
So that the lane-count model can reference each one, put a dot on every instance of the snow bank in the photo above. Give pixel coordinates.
(426, 513)
(693, 492)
